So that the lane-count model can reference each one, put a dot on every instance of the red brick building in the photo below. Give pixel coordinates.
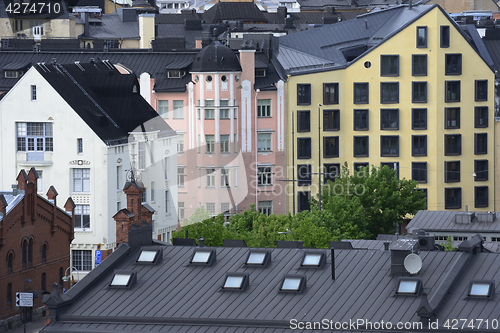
(35, 237)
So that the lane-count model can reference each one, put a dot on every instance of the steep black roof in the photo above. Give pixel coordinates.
(233, 11)
(175, 296)
(109, 102)
(216, 58)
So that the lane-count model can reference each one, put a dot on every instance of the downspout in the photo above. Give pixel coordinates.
(256, 152)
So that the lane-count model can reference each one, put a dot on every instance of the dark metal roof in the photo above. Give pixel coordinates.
(493, 48)
(103, 98)
(231, 11)
(180, 61)
(113, 28)
(174, 296)
(216, 58)
(445, 221)
(16, 65)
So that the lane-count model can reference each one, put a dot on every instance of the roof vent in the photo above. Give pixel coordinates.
(399, 251)
(488, 217)
(464, 217)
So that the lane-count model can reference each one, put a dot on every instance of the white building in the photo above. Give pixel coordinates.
(83, 126)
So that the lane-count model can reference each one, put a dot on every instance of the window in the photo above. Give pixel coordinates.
(453, 64)
(421, 37)
(19, 25)
(178, 107)
(10, 259)
(481, 288)
(163, 108)
(331, 120)
(389, 65)
(451, 171)
(258, 258)
(167, 202)
(419, 171)
(211, 207)
(152, 191)
(419, 92)
(419, 65)
(303, 148)
(392, 166)
(225, 208)
(389, 119)
(481, 196)
(361, 120)
(481, 92)
(82, 216)
(43, 282)
(9, 296)
(264, 176)
(481, 170)
(123, 279)
(330, 93)
(264, 108)
(303, 174)
(79, 145)
(235, 282)
(361, 146)
(304, 198)
(409, 286)
(452, 144)
(481, 116)
(453, 198)
(209, 113)
(260, 73)
(224, 144)
(39, 181)
(445, 36)
(264, 142)
(180, 208)
(33, 92)
(266, 207)
(330, 171)
(224, 178)
(165, 166)
(144, 196)
(210, 144)
(35, 139)
(389, 145)
(303, 94)
(210, 177)
(141, 150)
(452, 118)
(330, 146)
(313, 259)
(24, 253)
(81, 180)
(293, 283)
(82, 259)
(30, 252)
(480, 143)
(452, 89)
(224, 113)
(389, 92)
(203, 257)
(360, 93)
(358, 166)
(180, 143)
(303, 121)
(181, 176)
(419, 119)
(419, 145)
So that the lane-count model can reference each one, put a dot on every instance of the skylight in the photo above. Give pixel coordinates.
(256, 258)
(203, 257)
(293, 283)
(147, 256)
(121, 280)
(409, 286)
(313, 259)
(481, 288)
(233, 282)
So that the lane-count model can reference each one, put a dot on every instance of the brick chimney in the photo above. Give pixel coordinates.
(134, 200)
(30, 195)
(22, 180)
(52, 195)
(123, 219)
(135, 213)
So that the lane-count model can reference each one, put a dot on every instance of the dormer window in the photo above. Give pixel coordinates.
(134, 89)
(481, 289)
(260, 73)
(175, 74)
(11, 74)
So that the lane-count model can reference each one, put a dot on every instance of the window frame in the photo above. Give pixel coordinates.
(383, 86)
(264, 110)
(449, 67)
(357, 96)
(209, 144)
(419, 44)
(419, 174)
(81, 211)
(452, 205)
(304, 174)
(418, 65)
(163, 108)
(265, 207)
(448, 92)
(414, 148)
(327, 174)
(303, 121)
(327, 100)
(178, 111)
(333, 119)
(85, 185)
(414, 93)
(264, 175)
(452, 175)
(268, 142)
(481, 175)
(444, 36)
(335, 152)
(448, 149)
(477, 116)
(386, 69)
(484, 146)
(478, 98)
(84, 260)
(390, 113)
(414, 116)
(224, 144)
(389, 137)
(303, 204)
(478, 203)
(357, 113)
(449, 118)
(304, 97)
(304, 148)
(367, 148)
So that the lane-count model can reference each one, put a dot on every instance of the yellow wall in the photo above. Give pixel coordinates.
(357, 72)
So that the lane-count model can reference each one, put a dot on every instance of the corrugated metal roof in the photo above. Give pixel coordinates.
(445, 221)
(113, 28)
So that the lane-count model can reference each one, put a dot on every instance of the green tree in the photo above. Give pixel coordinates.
(213, 230)
(200, 214)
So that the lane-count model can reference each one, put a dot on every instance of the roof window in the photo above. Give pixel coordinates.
(150, 256)
(203, 257)
(481, 289)
(293, 283)
(236, 281)
(258, 258)
(313, 260)
(409, 286)
(123, 279)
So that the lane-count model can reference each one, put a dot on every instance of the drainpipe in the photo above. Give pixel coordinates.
(256, 152)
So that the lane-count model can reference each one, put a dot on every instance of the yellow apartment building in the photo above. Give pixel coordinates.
(402, 87)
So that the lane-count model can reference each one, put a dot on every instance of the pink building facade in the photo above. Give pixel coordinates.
(231, 144)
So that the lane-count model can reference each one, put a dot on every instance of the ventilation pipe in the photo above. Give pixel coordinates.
(333, 263)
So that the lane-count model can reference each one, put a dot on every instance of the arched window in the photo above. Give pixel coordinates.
(30, 253)
(10, 259)
(24, 252)
(9, 296)
(44, 252)
(44, 282)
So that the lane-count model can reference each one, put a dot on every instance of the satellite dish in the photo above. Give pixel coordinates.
(413, 263)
